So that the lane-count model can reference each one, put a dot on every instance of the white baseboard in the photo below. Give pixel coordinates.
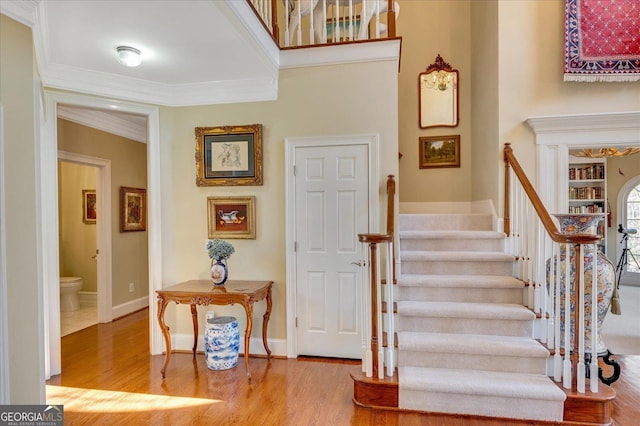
(482, 206)
(88, 298)
(129, 307)
(184, 342)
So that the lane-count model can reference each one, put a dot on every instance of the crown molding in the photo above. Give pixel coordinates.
(616, 128)
(372, 51)
(106, 122)
(65, 77)
(104, 84)
(23, 11)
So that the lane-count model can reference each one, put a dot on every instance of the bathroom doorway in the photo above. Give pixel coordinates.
(84, 249)
(78, 257)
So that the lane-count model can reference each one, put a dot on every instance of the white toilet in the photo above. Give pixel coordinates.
(69, 288)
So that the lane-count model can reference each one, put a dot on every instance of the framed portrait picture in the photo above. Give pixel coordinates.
(133, 209)
(89, 206)
(229, 155)
(231, 217)
(439, 151)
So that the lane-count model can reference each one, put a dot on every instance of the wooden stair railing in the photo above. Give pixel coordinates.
(391, 216)
(267, 12)
(590, 406)
(379, 303)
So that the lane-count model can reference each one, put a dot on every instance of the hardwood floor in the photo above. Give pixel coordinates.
(108, 378)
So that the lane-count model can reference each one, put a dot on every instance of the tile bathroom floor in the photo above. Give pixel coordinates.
(73, 321)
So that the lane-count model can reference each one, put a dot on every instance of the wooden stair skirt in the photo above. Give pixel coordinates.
(579, 409)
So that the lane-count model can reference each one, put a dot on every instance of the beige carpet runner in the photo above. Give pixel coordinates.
(465, 341)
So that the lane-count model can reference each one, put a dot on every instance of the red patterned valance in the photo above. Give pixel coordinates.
(602, 40)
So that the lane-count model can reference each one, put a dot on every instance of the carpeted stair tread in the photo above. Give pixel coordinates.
(451, 234)
(478, 382)
(438, 221)
(450, 281)
(491, 311)
(471, 344)
(455, 256)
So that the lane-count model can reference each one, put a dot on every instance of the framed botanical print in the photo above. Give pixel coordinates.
(229, 155)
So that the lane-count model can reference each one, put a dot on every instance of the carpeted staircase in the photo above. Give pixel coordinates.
(465, 340)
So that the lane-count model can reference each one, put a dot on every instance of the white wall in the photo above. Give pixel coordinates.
(312, 102)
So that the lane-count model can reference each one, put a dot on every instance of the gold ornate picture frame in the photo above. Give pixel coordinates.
(133, 209)
(439, 151)
(231, 217)
(89, 206)
(229, 155)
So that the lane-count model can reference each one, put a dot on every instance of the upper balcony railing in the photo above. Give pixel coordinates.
(300, 23)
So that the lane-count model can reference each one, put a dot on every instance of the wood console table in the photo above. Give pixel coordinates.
(203, 292)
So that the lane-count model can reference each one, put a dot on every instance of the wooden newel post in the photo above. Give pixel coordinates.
(391, 19)
(507, 189)
(373, 240)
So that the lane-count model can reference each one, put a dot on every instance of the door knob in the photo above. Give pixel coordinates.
(361, 264)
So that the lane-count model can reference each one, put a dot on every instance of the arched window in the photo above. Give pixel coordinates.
(629, 198)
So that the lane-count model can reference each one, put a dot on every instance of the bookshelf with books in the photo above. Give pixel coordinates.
(588, 190)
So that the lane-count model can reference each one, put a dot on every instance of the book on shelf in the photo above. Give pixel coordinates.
(590, 172)
(586, 193)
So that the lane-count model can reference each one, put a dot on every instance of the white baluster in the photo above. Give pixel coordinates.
(378, 31)
(534, 248)
(380, 327)
(368, 314)
(390, 316)
(593, 367)
(336, 27)
(557, 359)
(566, 373)
(581, 367)
(363, 307)
(350, 34)
(324, 21)
(299, 28)
(286, 25)
(312, 36)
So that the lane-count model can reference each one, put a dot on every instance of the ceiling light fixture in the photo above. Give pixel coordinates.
(607, 152)
(129, 56)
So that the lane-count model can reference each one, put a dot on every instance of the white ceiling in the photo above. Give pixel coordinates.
(195, 52)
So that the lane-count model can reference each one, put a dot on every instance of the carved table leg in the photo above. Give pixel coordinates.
(162, 304)
(265, 322)
(248, 307)
(194, 317)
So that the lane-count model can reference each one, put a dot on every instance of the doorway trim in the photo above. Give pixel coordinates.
(291, 144)
(630, 278)
(47, 196)
(103, 237)
(4, 309)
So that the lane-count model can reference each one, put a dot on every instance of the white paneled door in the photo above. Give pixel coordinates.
(332, 208)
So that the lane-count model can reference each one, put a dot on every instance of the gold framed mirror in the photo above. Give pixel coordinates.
(438, 95)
